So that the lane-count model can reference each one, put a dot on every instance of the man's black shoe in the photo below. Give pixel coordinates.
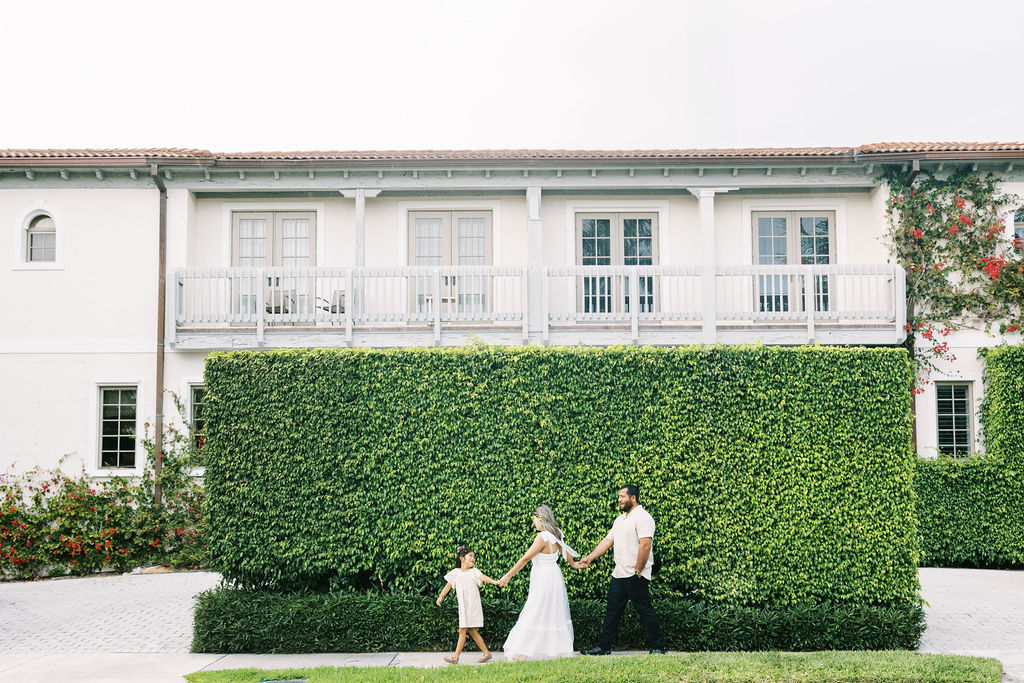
(596, 650)
(658, 651)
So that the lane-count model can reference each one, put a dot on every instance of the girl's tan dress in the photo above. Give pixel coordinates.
(467, 589)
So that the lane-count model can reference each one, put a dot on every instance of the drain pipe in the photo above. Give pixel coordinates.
(161, 305)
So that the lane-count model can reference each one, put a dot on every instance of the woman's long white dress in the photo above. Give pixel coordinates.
(544, 629)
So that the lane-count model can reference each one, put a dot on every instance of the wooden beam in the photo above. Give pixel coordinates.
(834, 169)
(559, 173)
(415, 174)
(665, 173)
(63, 174)
(803, 170)
(526, 174)
(769, 171)
(1009, 167)
(487, 173)
(869, 170)
(206, 173)
(313, 175)
(99, 174)
(942, 164)
(344, 174)
(133, 174)
(700, 172)
(593, 173)
(31, 175)
(241, 175)
(735, 172)
(380, 174)
(915, 168)
(630, 173)
(277, 175)
(974, 167)
(168, 174)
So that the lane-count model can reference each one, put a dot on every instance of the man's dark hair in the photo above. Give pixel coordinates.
(632, 490)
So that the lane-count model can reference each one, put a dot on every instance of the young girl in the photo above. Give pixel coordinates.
(467, 582)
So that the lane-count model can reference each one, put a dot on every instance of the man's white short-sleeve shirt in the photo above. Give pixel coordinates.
(626, 533)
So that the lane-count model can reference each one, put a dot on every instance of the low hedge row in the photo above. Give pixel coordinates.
(239, 620)
(971, 512)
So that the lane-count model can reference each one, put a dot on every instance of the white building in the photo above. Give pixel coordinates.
(267, 250)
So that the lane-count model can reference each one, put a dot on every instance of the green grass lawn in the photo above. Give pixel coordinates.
(700, 666)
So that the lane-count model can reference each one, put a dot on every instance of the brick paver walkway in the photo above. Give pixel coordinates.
(976, 612)
(970, 611)
(123, 613)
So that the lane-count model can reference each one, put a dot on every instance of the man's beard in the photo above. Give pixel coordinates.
(627, 506)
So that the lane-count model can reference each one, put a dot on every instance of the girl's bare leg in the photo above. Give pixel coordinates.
(478, 639)
(454, 659)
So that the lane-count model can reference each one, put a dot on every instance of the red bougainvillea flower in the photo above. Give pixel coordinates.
(954, 230)
(929, 209)
(1011, 328)
(927, 334)
(916, 233)
(960, 203)
(966, 220)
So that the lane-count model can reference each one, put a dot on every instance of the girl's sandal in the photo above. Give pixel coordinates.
(451, 660)
(485, 658)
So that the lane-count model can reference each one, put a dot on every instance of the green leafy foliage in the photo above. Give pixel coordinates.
(53, 523)
(972, 511)
(963, 269)
(777, 477)
(238, 620)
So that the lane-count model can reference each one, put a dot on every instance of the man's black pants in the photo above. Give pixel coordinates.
(620, 592)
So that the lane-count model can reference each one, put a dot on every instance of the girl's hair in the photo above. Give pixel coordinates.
(460, 553)
(548, 521)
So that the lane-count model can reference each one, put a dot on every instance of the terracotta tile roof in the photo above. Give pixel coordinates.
(144, 155)
(965, 147)
(536, 154)
(158, 153)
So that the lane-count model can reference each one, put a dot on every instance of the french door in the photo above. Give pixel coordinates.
(450, 238)
(616, 239)
(286, 239)
(790, 238)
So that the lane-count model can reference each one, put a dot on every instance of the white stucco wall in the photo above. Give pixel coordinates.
(89, 319)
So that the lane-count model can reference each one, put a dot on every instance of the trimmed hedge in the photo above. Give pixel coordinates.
(972, 511)
(1002, 408)
(777, 476)
(236, 620)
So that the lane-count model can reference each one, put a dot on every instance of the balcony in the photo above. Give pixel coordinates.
(224, 308)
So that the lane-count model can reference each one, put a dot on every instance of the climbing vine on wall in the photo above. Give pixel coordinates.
(964, 270)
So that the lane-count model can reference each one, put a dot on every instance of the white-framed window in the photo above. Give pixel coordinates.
(1018, 224)
(953, 412)
(616, 239)
(274, 239)
(41, 239)
(197, 423)
(118, 406)
(451, 238)
(790, 238)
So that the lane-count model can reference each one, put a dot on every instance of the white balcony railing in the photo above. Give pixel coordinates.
(675, 304)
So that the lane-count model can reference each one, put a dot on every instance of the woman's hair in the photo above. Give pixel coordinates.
(460, 553)
(548, 521)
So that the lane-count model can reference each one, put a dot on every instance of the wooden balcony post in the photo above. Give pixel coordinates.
(808, 278)
(535, 257)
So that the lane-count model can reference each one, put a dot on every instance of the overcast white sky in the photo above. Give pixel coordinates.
(590, 74)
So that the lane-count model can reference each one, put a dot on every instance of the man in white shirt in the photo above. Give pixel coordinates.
(631, 535)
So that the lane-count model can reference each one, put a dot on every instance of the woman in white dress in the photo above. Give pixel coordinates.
(544, 629)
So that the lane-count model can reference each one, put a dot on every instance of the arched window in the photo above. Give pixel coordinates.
(41, 241)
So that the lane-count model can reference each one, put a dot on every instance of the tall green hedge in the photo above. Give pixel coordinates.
(1002, 408)
(776, 476)
(972, 511)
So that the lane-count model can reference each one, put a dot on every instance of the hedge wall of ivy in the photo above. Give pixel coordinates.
(236, 620)
(972, 511)
(777, 476)
(1002, 408)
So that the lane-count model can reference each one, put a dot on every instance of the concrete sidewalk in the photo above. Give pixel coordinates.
(138, 627)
